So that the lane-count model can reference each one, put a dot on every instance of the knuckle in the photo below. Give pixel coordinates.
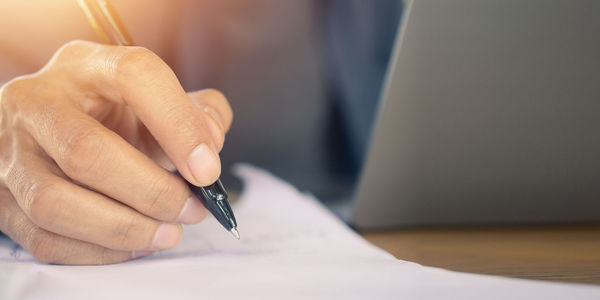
(133, 60)
(31, 99)
(43, 247)
(123, 234)
(187, 122)
(13, 91)
(41, 201)
(140, 53)
(82, 150)
(74, 45)
(105, 257)
(72, 48)
(159, 204)
(12, 88)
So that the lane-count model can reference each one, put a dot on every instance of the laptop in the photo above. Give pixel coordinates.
(490, 114)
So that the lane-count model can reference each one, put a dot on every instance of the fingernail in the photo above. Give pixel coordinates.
(136, 254)
(216, 116)
(167, 235)
(204, 165)
(193, 211)
(216, 128)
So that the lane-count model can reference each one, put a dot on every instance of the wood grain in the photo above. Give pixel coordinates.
(568, 253)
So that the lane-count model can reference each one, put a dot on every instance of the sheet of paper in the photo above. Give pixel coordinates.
(291, 248)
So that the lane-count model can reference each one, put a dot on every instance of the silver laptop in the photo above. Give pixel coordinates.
(490, 114)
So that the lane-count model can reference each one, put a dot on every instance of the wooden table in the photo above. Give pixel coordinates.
(553, 252)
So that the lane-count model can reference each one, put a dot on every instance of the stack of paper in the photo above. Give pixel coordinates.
(291, 248)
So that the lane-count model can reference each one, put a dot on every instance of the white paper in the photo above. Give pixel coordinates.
(291, 248)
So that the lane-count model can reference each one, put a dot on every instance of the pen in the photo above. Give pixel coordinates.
(105, 21)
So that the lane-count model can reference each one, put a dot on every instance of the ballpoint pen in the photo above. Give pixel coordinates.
(109, 28)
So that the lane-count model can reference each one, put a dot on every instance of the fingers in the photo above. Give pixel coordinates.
(99, 158)
(76, 219)
(69, 210)
(217, 110)
(178, 125)
(216, 105)
(138, 78)
(49, 247)
(219, 119)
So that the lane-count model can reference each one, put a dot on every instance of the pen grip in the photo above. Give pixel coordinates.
(214, 198)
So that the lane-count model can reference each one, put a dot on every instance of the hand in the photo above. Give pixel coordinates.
(86, 145)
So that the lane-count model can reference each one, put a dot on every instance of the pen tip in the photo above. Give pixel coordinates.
(235, 233)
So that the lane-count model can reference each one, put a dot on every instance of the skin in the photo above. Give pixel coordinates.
(86, 146)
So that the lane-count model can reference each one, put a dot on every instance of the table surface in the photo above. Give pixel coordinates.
(569, 253)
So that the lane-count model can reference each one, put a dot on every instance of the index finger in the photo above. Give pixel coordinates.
(137, 77)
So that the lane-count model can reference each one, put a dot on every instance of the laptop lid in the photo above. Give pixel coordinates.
(490, 114)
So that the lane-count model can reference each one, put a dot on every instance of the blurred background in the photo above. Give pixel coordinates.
(303, 77)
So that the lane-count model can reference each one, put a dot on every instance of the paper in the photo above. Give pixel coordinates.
(291, 248)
